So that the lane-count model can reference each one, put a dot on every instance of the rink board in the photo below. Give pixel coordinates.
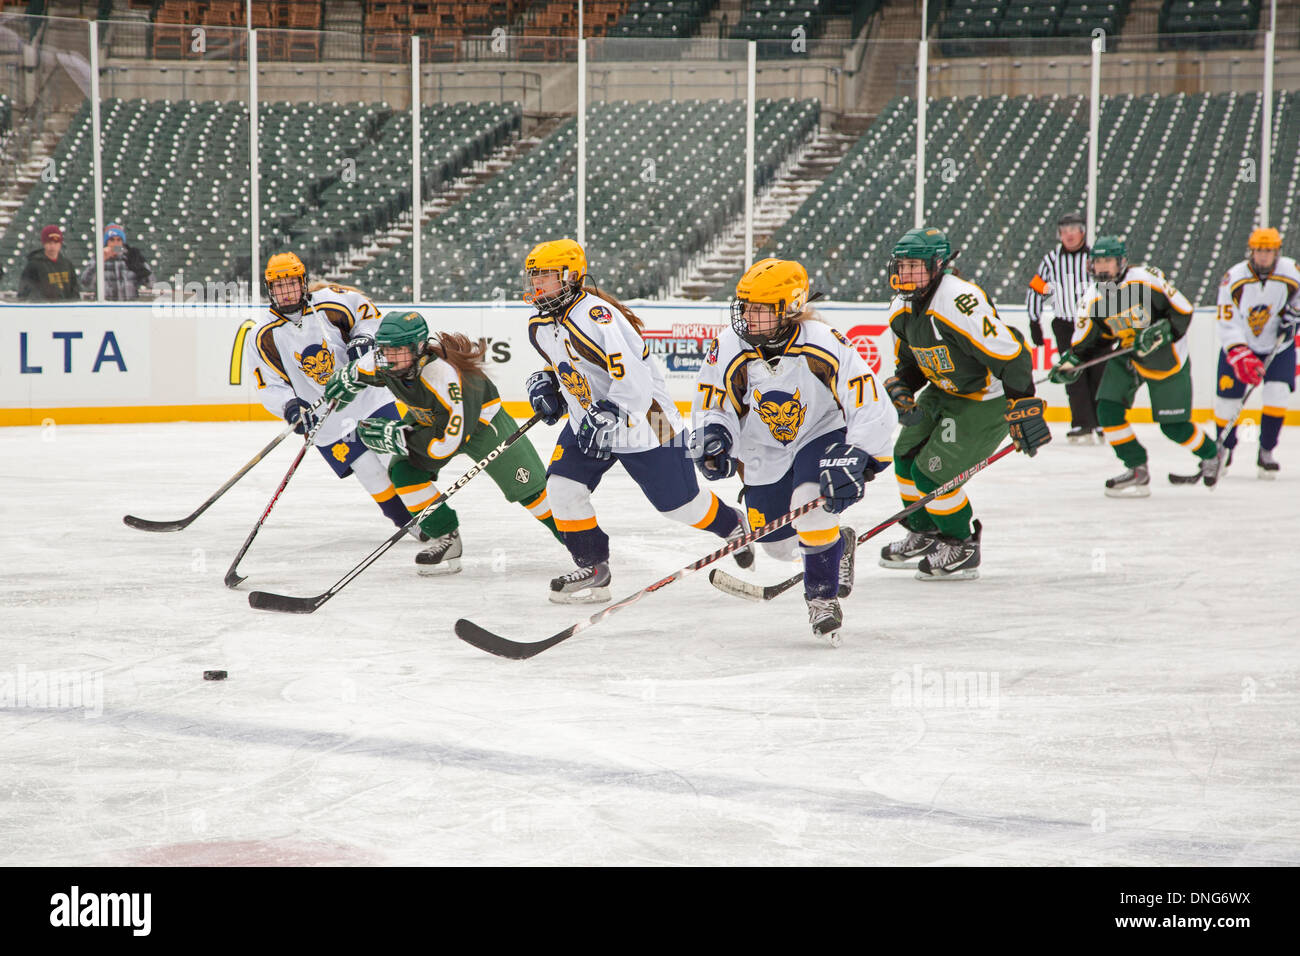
(111, 363)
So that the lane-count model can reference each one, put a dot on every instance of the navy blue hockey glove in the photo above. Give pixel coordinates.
(298, 413)
(544, 395)
(359, 345)
(596, 430)
(710, 448)
(843, 473)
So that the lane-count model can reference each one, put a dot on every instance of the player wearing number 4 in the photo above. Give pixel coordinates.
(1140, 308)
(787, 401)
(974, 375)
(452, 409)
(1259, 308)
(599, 370)
(310, 332)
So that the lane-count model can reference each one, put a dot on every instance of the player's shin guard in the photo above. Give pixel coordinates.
(1191, 437)
(1270, 428)
(416, 491)
(707, 513)
(575, 519)
(1119, 434)
(919, 520)
(540, 508)
(951, 514)
(821, 568)
(372, 474)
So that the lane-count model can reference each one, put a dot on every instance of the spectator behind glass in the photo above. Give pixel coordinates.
(126, 273)
(48, 275)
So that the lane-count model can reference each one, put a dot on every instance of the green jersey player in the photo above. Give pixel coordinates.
(452, 408)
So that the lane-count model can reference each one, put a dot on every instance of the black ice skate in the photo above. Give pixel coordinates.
(582, 585)
(1079, 436)
(952, 558)
(1133, 483)
(908, 552)
(825, 616)
(1268, 467)
(442, 556)
(850, 539)
(745, 556)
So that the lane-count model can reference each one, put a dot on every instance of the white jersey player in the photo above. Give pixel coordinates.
(599, 370)
(290, 357)
(788, 399)
(1259, 307)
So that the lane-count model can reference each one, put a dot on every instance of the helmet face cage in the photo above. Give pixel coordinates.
(1263, 240)
(382, 362)
(1107, 278)
(280, 289)
(911, 292)
(740, 324)
(570, 288)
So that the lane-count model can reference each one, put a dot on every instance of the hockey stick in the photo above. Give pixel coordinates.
(232, 579)
(305, 605)
(145, 524)
(752, 592)
(485, 640)
(1081, 366)
(1241, 410)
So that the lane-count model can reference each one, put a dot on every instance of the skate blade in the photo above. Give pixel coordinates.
(1134, 491)
(450, 566)
(910, 565)
(1267, 475)
(587, 596)
(968, 574)
(832, 639)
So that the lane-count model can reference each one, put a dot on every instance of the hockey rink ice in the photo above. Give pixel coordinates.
(1120, 687)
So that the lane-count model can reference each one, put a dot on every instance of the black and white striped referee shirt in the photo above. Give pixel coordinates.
(1062, 276)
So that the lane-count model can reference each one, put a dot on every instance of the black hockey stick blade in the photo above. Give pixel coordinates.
(1184, 479)
(266, 601)
(750, 592)
(485, 640)
(234, 580)
(144, 524)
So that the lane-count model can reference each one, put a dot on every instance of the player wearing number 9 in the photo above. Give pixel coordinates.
(452, 408)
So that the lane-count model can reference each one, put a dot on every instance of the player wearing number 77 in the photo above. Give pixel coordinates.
(452, 408)
(978, 387)
(789, 402)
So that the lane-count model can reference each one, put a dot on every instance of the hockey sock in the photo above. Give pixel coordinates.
(1119, 433)
(821, 569)
(1231, 440)
(919, 520)
(1271, 427)
(393, 508)
(587, 544)
(722, 519)
(1191, 437)
(951, 513)
(540, 509)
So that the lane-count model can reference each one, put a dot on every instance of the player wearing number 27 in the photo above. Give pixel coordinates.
(789, 403)
(978, 387)
(310, 331)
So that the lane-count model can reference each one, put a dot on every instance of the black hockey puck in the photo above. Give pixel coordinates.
(214, 675)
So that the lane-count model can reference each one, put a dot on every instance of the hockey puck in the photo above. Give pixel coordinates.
(214, 675)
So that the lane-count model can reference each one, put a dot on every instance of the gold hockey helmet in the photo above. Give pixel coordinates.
(780, 283)
(566, 259)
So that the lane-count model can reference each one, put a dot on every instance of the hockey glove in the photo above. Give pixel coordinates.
(344, 385)
(597, 428)
(1246, 365)
(384, 435)
(843, 473)
(1153, 337)
(359, 345)
(710, 448)
(298, 413)
(909, 413)
(1288, 320)
(1025, 423)
(544, 395)
(1065, 372)
(1036, 331)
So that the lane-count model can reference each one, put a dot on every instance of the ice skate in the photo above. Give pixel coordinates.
(744, 557)
(582, 585)
(850, 539)
(1133, 483)
(1268, 466)
(442, 556)
(1079, 436)
(952, 558)
(908, 552)
(1210, 468)
(825, 617)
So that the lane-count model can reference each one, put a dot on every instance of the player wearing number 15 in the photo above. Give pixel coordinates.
(976, 385)
(452, 408)
(309, 331)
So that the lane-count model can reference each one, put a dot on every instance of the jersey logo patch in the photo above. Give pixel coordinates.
(756, 519)
(523, 475)
(316, 362)
(711, 354)
(782, 413)
(601, 314)
(935, 464)
(576, 383)
(840, 337)
(1258, 318)
(340, 451)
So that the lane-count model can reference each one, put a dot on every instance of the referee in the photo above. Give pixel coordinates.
(1062, 277)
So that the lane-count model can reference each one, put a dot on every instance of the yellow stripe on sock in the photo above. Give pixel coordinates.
(415, 509)
(582, 524)
(1197, 435)
(1274, 411)
(948, 504)
(819, 537)
(413, 489)
(385, 495)
(708, 518)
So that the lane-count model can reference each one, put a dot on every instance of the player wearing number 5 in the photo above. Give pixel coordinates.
(787, 401)
(975, 380)
(452, 408)
(599, 370)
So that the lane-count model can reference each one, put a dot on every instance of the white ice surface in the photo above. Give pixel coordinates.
(1145, 656)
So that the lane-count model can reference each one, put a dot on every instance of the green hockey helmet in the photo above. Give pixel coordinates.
(1108, 247)
(400, 330)
(932, 247)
